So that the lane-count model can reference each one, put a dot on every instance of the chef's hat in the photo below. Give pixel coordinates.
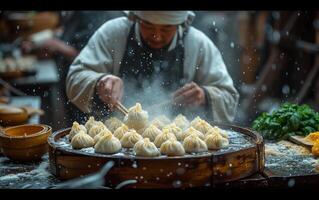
(164, 17)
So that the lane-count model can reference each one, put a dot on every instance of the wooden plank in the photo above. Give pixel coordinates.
(298, 181)
(301, 141)
(254, 181)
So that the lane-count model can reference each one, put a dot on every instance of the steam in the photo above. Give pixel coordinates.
(153, 96)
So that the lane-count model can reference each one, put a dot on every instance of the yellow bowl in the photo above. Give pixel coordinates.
(12, 116)
(25, 142)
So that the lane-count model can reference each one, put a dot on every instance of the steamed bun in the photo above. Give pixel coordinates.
(90, 123)
(151, 132)
(146, 148)
(161, 138)
(108, 144)
(96, 129)
(101, 134)
(202, 126)
(190, 131)
(172, 147)
(194, 121)
(161, 121)
(82, 140)
(193, 144)
(141, 131)
(120, 131)
(181, 121)
(113, 123)
(76, 127)
(136, 117)
(216, 130)
(177, 131)
(130, 138)
(216, 141)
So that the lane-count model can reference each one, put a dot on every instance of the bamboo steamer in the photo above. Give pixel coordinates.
(161, 172)
(25, 142)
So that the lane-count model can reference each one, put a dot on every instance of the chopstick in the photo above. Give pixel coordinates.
(121, 108)
(11, 88)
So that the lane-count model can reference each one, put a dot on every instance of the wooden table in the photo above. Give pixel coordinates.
(32, 101)
(25, 175)
(38, 175)
(44, 84)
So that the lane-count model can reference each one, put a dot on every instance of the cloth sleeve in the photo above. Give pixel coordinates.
(213, 76)
(93, 62)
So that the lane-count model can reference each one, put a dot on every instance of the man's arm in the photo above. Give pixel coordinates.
(213, 77)
(94, 62)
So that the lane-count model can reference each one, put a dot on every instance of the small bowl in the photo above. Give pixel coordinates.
(12, 116)
(25, 142)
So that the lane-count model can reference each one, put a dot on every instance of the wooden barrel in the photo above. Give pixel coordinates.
(162, 172)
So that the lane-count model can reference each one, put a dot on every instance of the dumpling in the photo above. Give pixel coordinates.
(172, 147)
(90, 123)
(119, 132)
(216, 130)
(130, 138)
(146, 148)
(181, 121)
(108, 144)
(190, 131)
(178, 132)
(197, 119)
(141, 131)
(161, 138)
(151, 132)
(202, 126)
(222, 132)
(216, 141)
(193, 144)
(136, 117)
(76, 127)
(101, 134)
(161, 121)
(96, 129)
(159, 124)
(82, 140)
(113, 123)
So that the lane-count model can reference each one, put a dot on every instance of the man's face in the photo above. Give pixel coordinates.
(157, 36)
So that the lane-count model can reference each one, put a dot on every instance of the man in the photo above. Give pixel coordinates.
(150, 56)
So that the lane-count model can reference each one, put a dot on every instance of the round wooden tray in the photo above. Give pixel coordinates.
(162, 172)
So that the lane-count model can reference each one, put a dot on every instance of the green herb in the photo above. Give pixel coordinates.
(289, 119)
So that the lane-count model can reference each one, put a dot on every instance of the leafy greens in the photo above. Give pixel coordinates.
(290, 119)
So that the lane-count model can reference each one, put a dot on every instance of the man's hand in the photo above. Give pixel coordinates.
(110, 90)
(190, 94)
(50, 47)
(45, 49)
